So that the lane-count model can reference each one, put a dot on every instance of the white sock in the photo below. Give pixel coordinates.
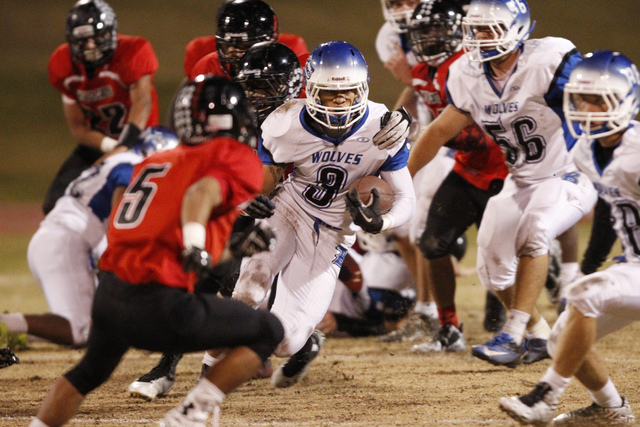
(15, 322)
(429, 309)
(37, 423)
(209, 360)
(607, 396)
(568, 272)
(540, 330)
(516, 325)
(557, 382)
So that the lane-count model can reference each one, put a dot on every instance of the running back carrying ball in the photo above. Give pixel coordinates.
(364, 186)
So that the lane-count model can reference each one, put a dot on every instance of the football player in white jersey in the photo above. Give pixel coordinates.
(59, 252)
(601, 100)
(512, 87)
(328, 139)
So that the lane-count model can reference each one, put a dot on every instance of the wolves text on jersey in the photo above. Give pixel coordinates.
(501, 107)
(336, 157)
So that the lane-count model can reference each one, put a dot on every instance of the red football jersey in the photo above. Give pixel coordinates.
(104, 98)
(478, 159)
(145, 231)
(202, 46)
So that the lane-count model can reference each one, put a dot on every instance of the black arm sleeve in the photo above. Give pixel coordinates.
(602, 238)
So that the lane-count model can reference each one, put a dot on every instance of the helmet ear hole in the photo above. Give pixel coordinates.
(211, 107)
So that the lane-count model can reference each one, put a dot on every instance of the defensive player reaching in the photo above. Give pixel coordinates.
(512, 87)
(600, 99)
(59, 251)
(174, 220)
(270, 74)
(435, 33)
(106, 82)
(328, 139)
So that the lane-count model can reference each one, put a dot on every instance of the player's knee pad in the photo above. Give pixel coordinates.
(253, 284)
(271, 334)
(80, 331)
(533, 235)
(433, 247)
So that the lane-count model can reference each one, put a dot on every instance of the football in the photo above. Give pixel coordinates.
(364, 186)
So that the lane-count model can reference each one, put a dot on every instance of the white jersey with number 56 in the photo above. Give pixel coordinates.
(524, 116)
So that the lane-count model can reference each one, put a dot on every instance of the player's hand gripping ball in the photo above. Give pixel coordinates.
(368, 198)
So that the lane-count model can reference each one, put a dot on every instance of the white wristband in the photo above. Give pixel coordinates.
(194, 234)
(107, 144)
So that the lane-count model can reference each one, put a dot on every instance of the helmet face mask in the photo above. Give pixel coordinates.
(210, 107)
(270, 74)
(398, 13)
(91, 31)
(241, 24)
(336, 67)
(435, 31)
(602, 95)
(494, 28)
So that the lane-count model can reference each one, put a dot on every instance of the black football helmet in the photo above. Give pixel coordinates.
(241, 24)
(270, 74)
(212, 106)
(435, 29)
(91, 20)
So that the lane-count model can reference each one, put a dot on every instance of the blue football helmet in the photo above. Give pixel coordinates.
(611, 76)
(336, 66)
(154, 139)
(508, 20)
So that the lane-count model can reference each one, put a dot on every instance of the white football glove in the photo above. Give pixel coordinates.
(394, 129)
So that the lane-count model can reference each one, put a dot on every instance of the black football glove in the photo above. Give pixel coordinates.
(261, 207)
(197, 260)
(255, 239)
(369, 217)
(7, 357)
(394, 129)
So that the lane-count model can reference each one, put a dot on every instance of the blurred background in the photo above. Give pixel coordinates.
(33, 133)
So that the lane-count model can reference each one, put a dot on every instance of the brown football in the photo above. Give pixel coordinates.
(364, 186)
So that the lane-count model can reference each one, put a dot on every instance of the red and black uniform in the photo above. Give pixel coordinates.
(144, 299)
(103, 95)
(202, 46)
(478, 172)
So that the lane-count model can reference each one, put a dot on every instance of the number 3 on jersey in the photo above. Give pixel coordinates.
(138, 197)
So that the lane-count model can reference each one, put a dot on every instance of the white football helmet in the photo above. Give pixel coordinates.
(336, 66)
(508, 20)
(611, 76)
(398, 13)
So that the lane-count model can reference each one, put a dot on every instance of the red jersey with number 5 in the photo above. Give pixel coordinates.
(145, 230)
(479, 160)
(104, 96)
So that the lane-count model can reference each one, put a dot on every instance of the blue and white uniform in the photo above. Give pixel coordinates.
(612, 295)
(59, 252)
(544, 193)
(312, 225)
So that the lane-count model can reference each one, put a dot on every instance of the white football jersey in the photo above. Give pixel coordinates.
(325, 168)
(619, 185)
(86, 204)
(386, 44)
(525, 118)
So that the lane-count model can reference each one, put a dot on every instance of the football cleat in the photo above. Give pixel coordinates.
(448, 338)
(495, 315)
(192, 412)
(535, 408)
(535, 350)
(500, 350)
(597, 415)
(295, 368)
(417, 328)
(7, 357)
(159, 381)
